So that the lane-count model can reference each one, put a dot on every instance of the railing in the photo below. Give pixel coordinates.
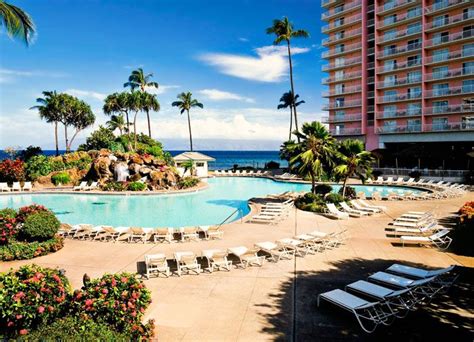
(340, 10)
(444, 5)
(325, 3)
(400, 34)
(344, 77)
(399, 129)
(399, 66)
(238, 210)
(449, 109)
(398, 97)
(401, 18)
(345, 104)
(393, 5)
(449, 20)
(449, 56)
(345, 49)
(347, 21)
(450, 38)
(438, 75)
(398, 113)
(459, 90)
(346, 90)
(342, 64)
(424, 172)
(342, 118)
(398, 82)
(449, 127)
(345, 131)
(399, 50)
(345, 35)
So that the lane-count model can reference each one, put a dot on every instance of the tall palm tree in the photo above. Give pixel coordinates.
(287, 100)
(185, 103)
(284, 32)
(353, 160)
(50, 111)
(138, 79)
(17, 22)
(117, 122)
(135, 104)
(313, 153)
(118, 103)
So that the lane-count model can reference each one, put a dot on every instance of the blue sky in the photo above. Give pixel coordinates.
(216, 49)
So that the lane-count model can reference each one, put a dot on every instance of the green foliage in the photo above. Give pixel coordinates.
(99, 139)
(31, 296)
(311, 202)
(350, 192)
(76, 329)
(116, 146)
(333, 198)
(37, 166)
(40, 226)
(29, 152)
(25, 211)
(322, 189)
(8, 229)
(21, 250)
(7, 213)
(136, 186)
(187, 182)
(115, 186)
(61, 178)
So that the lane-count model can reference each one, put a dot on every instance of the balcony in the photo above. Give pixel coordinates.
(342, 118)
(452, 91)
(401, 19)
(345, 77)
(399, 97)
(341, 105)
(448, 22)
(337, 11)
(335, 25)
(402, 34)
(345, 91)
(345, 131)
(403, 113)
(399, 50)
(449, 127)
(340, 52)
(342, 37)
(341, 64)
(445, 5)
(327, 3)
(390, 68)
(398, 82)
(453, 55)
(455, 73)
(452, 38)
(450, 109)
(395, 6)
(399, 129)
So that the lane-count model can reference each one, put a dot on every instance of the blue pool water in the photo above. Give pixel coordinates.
(210, 206)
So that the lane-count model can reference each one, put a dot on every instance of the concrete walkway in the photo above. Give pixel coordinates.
(278, 300)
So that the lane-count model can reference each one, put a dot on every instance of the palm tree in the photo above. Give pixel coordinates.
(353, 160)
(117, 122)
(284, 32)
(313, 153)
(49, 110)
(17, 22)
(149, 103)
(287, 100)
(185, 103)
(135, 104)
(138, 79)
(118, 103)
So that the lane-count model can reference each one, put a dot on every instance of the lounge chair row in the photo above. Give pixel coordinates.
(288, 176)
(84, 186)
(16, 186)
(218, 259)
(359, 208)
(138, 234)
(251, 173)
(390, 294)
(273, 212)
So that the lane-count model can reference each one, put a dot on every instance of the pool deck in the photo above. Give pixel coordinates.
(278, 300)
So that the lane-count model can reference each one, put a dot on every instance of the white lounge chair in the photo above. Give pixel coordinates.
(189, 234)
(187, 262)
(247, 256)
(27, 186)
(81, 186)
(217, 260)
(440, 239)
(93, 186)
(156, 264)
(16, 186)
(276, 252)
(402, 282)
(4, 187)
(379, 180)
(212, 232)
(297, 246)
(352, 211)
(137, 234)
(356, 205)
(163, 235)
(419, 273)
(389, 180)
(336, 213)
(315, 244)
(112, 234)
(80, 229)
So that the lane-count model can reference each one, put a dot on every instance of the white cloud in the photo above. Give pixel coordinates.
(220, 95)
(86, 94)
(162, 88)
(270, 65)
(242, 39)
(10, 75)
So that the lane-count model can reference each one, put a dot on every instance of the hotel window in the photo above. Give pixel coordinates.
(414, 125)
(414, 28)
(339, 35)
(440, 124)
(468, 31)
(414, 12)
(468, 68)
(339, 89)
(390, 80)
(339, 114)
(389, 4)
(339, 48)
(440, 72)
(389, 19)
(339, 129)
(468, 86)
(440, 107)
(441, 55)
(390, 126)
(468, 13)
(389, 50)
(414, 44)
(390, 65)
(414, 92)
(339, 9)
(441, 20)
(441, 37)
(467, 122)
(390, 95)
(339, 102)
(414, 60)
(439, 4)
(389, 34)
(440, 89)
(414, 108)
(339, 61)
(468, 50)
(414, 76)
(339, 22)
(339, 75)
(390, 111)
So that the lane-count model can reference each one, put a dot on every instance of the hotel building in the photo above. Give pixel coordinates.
(400, 71)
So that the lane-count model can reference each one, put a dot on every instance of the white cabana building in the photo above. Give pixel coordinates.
(200, 162)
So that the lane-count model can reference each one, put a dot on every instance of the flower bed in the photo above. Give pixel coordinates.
(20, 250)
(463, 233)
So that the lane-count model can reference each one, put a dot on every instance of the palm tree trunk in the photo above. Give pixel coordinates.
(65, 137)
(344, 187)
(291, 122)
(135, 130)
(292, 86)
(56, 137)
(313, 183)
(190, 133)
(148, 119)
(72, 139)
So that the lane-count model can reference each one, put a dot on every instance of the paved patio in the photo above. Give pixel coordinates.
(278, 300)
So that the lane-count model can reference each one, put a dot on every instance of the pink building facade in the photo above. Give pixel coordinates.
(400, 70)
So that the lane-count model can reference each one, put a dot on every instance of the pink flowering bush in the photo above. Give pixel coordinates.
(8, 229)
(24, 212)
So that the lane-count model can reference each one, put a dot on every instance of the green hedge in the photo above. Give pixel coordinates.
(187, 182)
(19, 250)
(40, 226)
(61, 178)
(136, 186)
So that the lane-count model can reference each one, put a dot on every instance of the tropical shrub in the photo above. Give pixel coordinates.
(29, 152)
(187, 182)
(463, 233)
(115, 186)
(21, 250)
(311, 202)
(136, 186)
(8, 229)
(350, 192)
(334, 198)
(25, 211)
(323, 189)
(12, 170)
(37, 166)
(415, 174)
(376, 174)
(119, 300)
(40, 226)
(99, 139)
(272, 165)
(7, 213)
(31, 296)
(60, 178)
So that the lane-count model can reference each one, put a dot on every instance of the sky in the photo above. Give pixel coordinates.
(217, 49)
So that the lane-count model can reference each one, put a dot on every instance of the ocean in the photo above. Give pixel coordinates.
(224, 159)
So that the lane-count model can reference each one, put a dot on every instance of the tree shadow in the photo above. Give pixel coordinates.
(448, 316)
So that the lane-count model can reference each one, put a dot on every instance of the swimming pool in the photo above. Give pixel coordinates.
(210, 206)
